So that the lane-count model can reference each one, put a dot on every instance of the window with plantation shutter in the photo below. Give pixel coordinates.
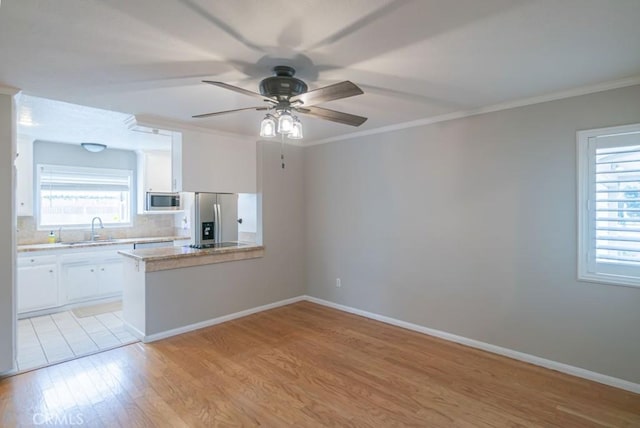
(71, 196)
(609, 205)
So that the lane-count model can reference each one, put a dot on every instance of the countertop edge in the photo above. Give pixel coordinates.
(26, 248)
(154, 263)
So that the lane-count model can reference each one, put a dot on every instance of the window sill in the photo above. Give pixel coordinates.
(607, 279)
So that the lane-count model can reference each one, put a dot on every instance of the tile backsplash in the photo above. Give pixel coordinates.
(143, 226)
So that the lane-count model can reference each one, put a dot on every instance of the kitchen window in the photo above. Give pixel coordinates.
(71, 196)
(609, 205)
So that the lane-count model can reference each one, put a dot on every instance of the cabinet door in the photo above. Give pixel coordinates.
(158, 171)
(110, 277)
(37, 287)
(24, 178)
(80, 281)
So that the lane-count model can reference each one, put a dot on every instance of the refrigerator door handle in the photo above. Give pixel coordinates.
(218, 237)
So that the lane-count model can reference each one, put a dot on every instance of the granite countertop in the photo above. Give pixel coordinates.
(106, 242)
(165, 258)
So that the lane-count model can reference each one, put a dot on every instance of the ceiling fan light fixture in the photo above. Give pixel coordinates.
(285, 123)
(296, 130)
(286, 94)
(93, 147)
(268, 127)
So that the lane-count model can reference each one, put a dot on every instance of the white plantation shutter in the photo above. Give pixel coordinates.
(609, 201)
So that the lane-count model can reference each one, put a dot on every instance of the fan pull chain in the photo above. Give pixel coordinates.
(282, 151)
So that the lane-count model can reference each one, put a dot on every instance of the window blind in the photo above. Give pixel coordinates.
(88, 179)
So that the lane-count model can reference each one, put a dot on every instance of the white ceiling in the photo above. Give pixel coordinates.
(414, 59)
(57, 121)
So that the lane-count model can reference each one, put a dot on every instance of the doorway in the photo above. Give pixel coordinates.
(68, 292)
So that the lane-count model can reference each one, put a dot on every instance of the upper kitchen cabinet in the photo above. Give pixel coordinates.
(211, 162)
(24, 176)
(154, 174)
(154, 170)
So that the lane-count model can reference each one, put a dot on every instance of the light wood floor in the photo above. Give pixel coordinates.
(306, 365)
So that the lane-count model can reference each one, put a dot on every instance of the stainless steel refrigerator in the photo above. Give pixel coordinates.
(216, 219)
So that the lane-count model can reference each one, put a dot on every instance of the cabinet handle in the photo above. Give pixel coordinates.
(91, 270)
(102, 269)
(32, 260)
(50, 270)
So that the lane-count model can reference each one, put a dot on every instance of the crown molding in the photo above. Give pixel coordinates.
(582, 90)
(174, 125)
(9, 90)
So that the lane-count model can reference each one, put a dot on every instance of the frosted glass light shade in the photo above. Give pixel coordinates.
(285, 123)
(93, 147)
(296, 130)
(268, 127)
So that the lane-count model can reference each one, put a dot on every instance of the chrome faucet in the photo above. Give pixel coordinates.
(93, 227)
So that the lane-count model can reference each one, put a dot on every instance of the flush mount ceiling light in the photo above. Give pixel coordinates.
(93, 147)
(285, 95)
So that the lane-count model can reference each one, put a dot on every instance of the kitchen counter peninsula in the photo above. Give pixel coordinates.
(157, 259)
(172, 290)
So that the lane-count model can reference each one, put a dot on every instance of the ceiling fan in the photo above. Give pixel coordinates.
(285, 94)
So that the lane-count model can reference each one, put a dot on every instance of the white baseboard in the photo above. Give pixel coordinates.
(214, 321)
(134, 331)
(516, 355)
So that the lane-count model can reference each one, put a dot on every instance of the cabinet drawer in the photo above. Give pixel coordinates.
(36, 260)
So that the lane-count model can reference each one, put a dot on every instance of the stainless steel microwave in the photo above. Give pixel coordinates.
(156, 201)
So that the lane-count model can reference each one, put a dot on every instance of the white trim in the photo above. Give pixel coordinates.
(587, 269)
(583, 90)
(174, 125)
(214, 321)
(8, 90)
(9, 373)
(151, 121)
(134, 331)
(516, 355)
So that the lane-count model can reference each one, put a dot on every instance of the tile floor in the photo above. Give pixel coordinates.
(58, 337)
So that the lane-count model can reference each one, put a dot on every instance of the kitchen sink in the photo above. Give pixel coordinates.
(97, 241)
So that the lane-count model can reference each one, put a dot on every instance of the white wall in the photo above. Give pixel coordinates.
(7, 226)
(469, 227)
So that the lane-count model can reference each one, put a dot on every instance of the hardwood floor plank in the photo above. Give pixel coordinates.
(305, 365)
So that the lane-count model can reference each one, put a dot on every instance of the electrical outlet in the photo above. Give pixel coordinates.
(338, 283)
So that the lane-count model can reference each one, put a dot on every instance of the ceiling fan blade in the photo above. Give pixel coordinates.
(218, 113)
(332, 115)
(328, 93)
(240, 90)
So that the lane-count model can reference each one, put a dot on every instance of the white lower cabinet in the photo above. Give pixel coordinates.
(37, 283)
(92, 276)
(110, 277)
(80, 281)
(68, 276)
